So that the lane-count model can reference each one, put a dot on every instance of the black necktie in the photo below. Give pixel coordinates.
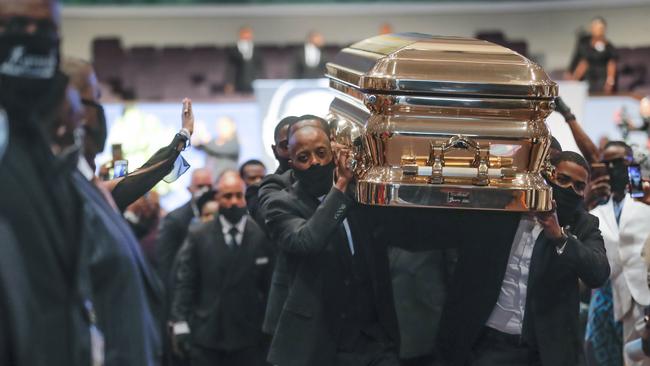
(233, 237)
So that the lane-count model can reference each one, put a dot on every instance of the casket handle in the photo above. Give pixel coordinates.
(460, 142)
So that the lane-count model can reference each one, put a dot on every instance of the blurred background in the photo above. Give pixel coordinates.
(246, 64)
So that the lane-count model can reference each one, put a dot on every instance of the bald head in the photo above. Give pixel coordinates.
(201, 179)
(230, 190)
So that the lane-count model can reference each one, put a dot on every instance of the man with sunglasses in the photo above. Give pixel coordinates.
(625, 228)
(38, 201)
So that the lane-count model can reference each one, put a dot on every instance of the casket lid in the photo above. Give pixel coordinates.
(431, 65)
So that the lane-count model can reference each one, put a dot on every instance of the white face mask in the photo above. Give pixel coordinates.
(198, 193)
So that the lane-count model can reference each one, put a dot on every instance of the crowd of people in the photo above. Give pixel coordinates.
(286, 268)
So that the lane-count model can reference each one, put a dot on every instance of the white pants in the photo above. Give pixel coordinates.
(633, 325)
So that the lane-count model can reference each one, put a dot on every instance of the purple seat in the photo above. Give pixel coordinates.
(277, 62)
(108, 60)
(140, 64)
(207, 64)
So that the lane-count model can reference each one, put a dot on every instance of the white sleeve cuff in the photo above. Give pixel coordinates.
(180, 328)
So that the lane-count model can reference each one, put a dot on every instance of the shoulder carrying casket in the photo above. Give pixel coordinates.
(443, 122)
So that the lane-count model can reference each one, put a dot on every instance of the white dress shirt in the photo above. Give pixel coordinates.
(508, 313)
(246, 49)
(312, 55)
(226, 226)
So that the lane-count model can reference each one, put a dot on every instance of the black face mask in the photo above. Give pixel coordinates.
(99, 133)
(618, 176)
(318, 179)
(233, 213)
(28, 66)
(284, 164)
(568, 203)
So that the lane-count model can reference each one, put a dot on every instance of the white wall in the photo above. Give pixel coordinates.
(549, 31)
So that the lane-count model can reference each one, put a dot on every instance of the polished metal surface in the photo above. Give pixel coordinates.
(423, 64)
(443, 122)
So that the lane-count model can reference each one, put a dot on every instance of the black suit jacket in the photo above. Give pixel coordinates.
(128, 295)
(552, 302)
(303, 71)
(30, 178)
(221, 292)
(271, 185)
(305, 232)
(16, 301)
(243, 72)
(171, 235)
(420, 283)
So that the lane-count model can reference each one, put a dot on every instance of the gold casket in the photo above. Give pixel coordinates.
(443, 122)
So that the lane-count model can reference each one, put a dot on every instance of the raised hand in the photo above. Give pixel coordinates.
(563, 109)
(187, 116)
(599, 191)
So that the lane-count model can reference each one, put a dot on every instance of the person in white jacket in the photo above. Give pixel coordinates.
(625, 226)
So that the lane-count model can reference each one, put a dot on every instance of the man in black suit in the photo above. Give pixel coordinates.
(38, 202)
(310, 61)
(252, 172)
(281, 152)
(127, 293)
(174, 226)
(283, 178)
(245, 63)
(222, 280)
(339, 309)
(533, 318)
